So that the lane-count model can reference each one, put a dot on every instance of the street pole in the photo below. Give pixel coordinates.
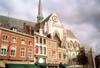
(91, 52)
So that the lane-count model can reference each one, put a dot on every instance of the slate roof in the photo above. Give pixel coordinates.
(45, 20)
(8, 22)
(70, 34)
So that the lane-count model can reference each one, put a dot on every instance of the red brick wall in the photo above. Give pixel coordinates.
(18, 45)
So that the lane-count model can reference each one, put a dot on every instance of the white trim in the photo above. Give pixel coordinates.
(23, 51)
(13, 48)
(29, 52)
(3, 47)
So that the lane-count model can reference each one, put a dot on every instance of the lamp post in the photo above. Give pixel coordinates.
(41, 62)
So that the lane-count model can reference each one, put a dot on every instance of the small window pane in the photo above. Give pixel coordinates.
(41, 40)
(3, 51)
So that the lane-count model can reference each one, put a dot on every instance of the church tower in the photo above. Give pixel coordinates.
(40, 15)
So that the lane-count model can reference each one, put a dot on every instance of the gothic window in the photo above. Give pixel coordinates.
(68, 45)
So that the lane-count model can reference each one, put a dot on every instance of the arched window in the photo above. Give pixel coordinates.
(13, 52)
(3, 50)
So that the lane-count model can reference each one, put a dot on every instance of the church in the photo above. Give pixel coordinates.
(45, 43)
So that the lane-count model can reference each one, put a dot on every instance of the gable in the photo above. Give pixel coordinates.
(55, 20)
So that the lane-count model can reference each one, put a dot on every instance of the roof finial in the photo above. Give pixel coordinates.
(40, 16)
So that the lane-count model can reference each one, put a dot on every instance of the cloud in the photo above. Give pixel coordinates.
(81, 16)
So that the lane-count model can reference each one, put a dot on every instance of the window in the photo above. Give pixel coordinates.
(44, 60)
(44, 50)
(22, 52)
(44, 41)
(3, 51)
(12, 52)
(23, 41)
(30, 53)
(14, 39)
(40, 49)
(60, 55)
(5, 37)
(36, 49)
(30, 43)
(64, 55)
(36, 39)
(14, 29)
(68, 45)
(53, 53)
(41, 40)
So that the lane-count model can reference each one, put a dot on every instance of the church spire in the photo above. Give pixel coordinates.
(40, 16)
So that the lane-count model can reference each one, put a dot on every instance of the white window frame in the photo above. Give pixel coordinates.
(30, 52)
(37, 39)
(14, 39)
(22, 51)
(4, 38)
(30, 43)
(23, 41)
(3, 47)
(13, 48)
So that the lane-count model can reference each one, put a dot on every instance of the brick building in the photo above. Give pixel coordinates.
(16, 45)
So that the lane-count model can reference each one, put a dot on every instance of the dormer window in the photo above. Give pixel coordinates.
(14, 29)
(49, 35)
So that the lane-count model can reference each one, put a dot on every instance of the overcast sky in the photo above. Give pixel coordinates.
(81, 16)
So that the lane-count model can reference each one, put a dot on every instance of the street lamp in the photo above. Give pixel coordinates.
(41, 60)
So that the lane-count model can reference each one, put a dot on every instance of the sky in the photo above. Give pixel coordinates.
(80, 16)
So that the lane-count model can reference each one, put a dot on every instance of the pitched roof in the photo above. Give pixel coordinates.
(45, 20)
(8, 22)
(70, 34)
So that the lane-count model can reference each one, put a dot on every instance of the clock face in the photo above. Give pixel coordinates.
(55, 18)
